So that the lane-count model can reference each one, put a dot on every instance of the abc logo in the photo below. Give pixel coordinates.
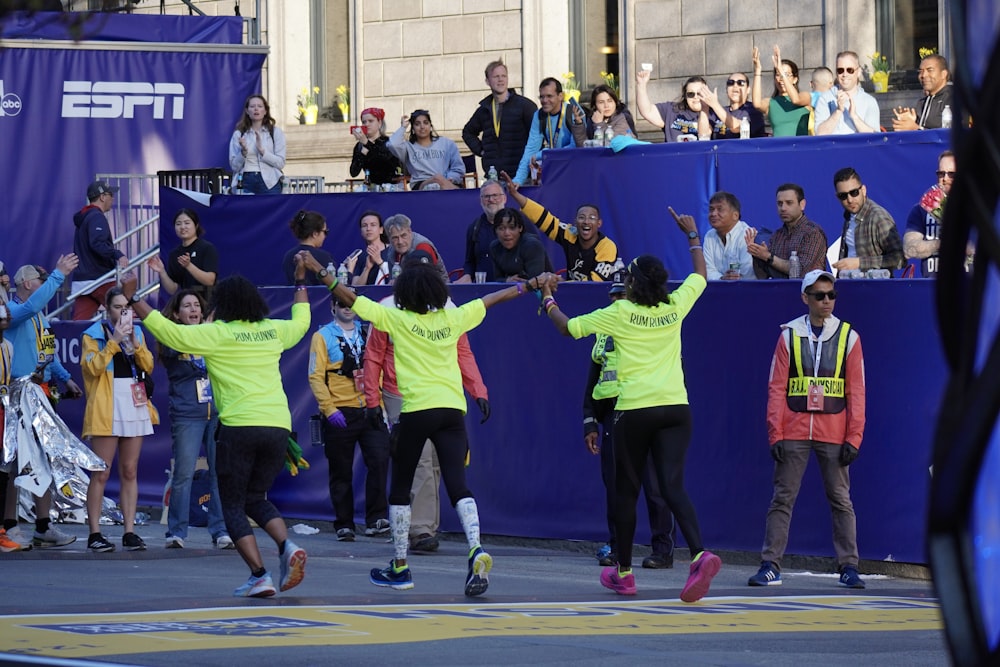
(10, 105)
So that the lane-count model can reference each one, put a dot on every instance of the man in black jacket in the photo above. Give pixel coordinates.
(93, 243)
(498, 130)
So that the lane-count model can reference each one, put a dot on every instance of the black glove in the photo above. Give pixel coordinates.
(484, 407)
(374, 418)
(848, 453)
(778, 451)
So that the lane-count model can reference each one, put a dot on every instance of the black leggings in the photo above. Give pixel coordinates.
(445, 428)
(663, 433)
(247, 461)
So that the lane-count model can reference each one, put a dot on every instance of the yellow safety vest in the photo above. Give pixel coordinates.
(830, 374)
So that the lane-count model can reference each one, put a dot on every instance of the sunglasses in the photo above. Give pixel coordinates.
(823, 296)
(842, 196)
(690, 94)
(736, 82)
(949, 174)
(848, 70)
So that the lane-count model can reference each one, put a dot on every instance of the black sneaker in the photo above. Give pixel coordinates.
(132, 542)
(98, 544)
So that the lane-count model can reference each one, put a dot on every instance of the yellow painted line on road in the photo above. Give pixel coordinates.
(265, 626)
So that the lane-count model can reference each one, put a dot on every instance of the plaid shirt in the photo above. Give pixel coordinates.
(803, 236)
(876, 239)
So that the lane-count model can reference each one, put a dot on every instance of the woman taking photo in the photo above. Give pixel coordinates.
(432, 162)
(425, 335)
(257, 149)
(193, 421)
(242, 348)
(366, 266)
(516, 256)
(653, 418)
(371, 153)
(115, 361)
(194, 264)
(311, 230)
(788, 109)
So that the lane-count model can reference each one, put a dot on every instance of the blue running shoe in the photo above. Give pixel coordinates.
(767, 575)
(293, 566)
(849, 577)
(391, 577)
(256, 587)
(478, 579)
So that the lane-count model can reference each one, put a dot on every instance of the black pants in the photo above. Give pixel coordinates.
(247, 460)
(445, 428)
(660, 434)
(339, 448)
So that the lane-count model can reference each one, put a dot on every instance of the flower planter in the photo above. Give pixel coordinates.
(311, 113)
(881, 81)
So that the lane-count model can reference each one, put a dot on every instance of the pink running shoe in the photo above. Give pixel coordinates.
(619, 584)
(702, 572)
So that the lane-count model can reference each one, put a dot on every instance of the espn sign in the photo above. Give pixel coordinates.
(119, 99)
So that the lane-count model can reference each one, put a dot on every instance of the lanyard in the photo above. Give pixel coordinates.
(496, 117)
(354, 345)
(551, 137)
(818, 349)
(130, 358)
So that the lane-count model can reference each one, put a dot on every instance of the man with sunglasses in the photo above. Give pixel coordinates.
(815, 404)
(869, 239)
(922, 238)
(852, 110)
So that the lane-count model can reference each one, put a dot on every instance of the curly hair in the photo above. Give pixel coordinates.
(245, 123)
(236, 299)
(306, 223)
(647, 281)
(420, 288)
(511, 215)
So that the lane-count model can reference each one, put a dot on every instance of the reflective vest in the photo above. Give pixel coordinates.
(831, 372)
(605, 355)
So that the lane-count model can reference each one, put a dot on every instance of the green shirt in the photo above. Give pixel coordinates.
(648, 342)
(426, 352)
(242, 361)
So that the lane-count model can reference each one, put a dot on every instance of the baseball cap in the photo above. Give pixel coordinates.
(815, 275)
(30, 272)
(418, 257)
(616, 288)
(98, 188)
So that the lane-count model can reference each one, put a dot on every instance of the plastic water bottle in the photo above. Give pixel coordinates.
(331, 268)
(239, 183)
(744, 128)
(492, 174)
(794, 268)
(127, 346)
(618, 271)
(316, 430)
(598, 136)
(344, 275)
(396, 270)
(609, 134)
(946, 116)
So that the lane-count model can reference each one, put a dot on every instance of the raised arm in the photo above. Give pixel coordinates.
(761, 103)
(688, 225)
(646, 108)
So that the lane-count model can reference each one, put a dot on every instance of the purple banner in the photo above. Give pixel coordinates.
(123, 27)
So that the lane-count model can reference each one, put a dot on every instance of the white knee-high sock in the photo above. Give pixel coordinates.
(468, 514)
(399, 519)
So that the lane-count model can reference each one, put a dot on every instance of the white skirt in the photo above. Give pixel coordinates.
(130, 420)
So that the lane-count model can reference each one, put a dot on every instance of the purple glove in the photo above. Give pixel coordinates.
(337, 420)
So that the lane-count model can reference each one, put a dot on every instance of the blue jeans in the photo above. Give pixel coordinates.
(188, 437)
(253, 183)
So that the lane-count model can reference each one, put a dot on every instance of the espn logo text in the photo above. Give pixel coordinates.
(119, 99)
(10, 104)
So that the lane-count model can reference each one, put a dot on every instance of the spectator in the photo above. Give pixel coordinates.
(7, 545)
(4, 281)
(500, 125)
(371, 152)
(94, 245)
(788, 109)
(797, 232)
(115, 361)
(598, 415)
(257, 149)
(194, 264)
(516, 256)
(683, 120)
(549, 129)
(726, 256)
(371, 271)
(432, 162)
(255, 424)
(33, 346)
(590, 255)
(336, 377)
(652, 417)
(403, 240)
(870, 239)
(815, 404)
(433, 404)
(310, 228)
(853, 111)
(922, 238)
(607, 111)
(193, 423)
(479, 235)
(822, 84)
(934, 79)
(725, 120)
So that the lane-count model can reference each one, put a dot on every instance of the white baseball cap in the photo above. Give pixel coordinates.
(815, 275)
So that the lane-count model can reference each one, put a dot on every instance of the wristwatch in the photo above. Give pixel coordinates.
(322, 273)
(693, 234)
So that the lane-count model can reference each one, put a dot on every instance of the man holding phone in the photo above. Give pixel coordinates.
(499, 128)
